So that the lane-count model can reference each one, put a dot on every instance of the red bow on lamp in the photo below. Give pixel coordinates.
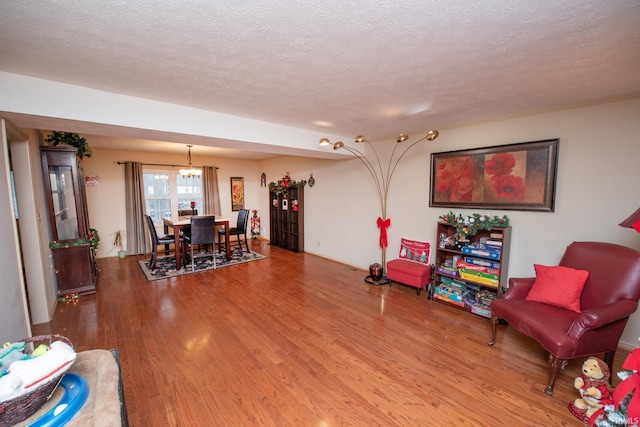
(383, 224)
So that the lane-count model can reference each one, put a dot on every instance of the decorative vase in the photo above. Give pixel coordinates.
(375, 271)
(122, 254)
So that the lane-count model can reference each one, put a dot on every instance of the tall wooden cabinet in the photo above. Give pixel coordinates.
(75, 260)
(286, 216)
(470, 275)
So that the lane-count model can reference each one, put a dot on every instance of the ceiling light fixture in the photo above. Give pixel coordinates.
(381, 178)
(191, 172)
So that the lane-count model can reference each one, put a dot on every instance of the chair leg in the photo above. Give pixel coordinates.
(152, 263)
(246, 242)
(556, 365)
(219, 243)
(608, 359)
(418, 291)
(192, 264)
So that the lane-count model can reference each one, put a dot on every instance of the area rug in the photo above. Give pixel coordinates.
(166, 266)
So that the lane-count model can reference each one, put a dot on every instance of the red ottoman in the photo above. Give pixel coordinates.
(411, 267)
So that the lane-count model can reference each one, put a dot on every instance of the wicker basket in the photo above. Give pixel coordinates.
(22, 407)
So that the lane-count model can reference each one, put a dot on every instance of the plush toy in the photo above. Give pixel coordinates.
(10, 353)
(593, 386)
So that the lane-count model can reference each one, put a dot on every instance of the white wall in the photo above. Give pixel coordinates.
(597, 187)
(14, 319)
(34, 227)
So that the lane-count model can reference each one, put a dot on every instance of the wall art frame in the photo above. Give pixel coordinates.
(237, 193)
(519, 176)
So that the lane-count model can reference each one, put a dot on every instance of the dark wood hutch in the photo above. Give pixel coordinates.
(75, 262)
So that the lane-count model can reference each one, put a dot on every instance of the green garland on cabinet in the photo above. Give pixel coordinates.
(471, 224)
(93, 239)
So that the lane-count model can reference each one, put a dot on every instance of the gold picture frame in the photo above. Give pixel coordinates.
(237, 193)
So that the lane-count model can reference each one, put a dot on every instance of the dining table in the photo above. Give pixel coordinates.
(180, 223)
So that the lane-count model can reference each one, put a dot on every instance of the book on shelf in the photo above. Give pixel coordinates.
(482, 262)
(494, 244)
(452, 290)
(485, 297)
(494, 283)
(480, 273)
(450, 268)
(481, 251)
(449, 271)
(483, 269)
(496, 236)
(481, 309)
(448, 300)
(452, 282)
(472, 287)
(491, 242)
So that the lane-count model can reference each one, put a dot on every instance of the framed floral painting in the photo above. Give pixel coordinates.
(237, 193)
(515, 177)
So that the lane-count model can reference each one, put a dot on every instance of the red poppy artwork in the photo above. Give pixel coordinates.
(516, 176)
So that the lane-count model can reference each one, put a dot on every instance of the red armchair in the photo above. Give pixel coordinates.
(610, 295)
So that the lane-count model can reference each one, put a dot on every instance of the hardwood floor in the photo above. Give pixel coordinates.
(298, 340)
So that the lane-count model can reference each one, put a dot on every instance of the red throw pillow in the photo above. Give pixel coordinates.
(559, 286)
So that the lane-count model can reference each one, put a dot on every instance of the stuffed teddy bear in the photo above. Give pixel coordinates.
(593, 386)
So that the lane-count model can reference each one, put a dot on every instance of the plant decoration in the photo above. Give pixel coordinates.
(70, 138)
(283, 185)
(93, 239)
(626, 396)
(470, 225)
(118, 239)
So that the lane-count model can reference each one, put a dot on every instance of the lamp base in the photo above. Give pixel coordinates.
(381, 281)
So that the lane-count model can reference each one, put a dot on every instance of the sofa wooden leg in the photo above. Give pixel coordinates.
(556, 365)
(418, 291)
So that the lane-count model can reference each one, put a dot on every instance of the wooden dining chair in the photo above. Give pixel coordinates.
(158, 240)
(202, 233)
(239, 230)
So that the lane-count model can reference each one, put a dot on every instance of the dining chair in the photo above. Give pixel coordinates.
(239, 230)
(158, 240)
(202, 233)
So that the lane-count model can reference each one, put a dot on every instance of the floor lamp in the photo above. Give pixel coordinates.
(633, 221)
(381, 177)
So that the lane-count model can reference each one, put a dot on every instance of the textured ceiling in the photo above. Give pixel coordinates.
(347, 67)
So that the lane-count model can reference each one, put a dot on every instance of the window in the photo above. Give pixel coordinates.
(167, 191)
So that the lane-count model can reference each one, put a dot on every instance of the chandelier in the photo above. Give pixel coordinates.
(381, 178)
(191, 172)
